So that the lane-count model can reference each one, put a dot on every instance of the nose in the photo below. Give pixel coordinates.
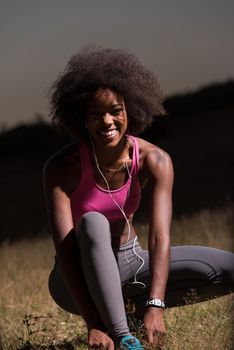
(107, 119)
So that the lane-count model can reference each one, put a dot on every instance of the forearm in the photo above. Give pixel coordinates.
(68, 259)
(159, 254)
(159, 263)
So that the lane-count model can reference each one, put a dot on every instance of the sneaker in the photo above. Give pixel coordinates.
(130, 343)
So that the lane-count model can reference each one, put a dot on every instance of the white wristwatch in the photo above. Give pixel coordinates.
(155, 303)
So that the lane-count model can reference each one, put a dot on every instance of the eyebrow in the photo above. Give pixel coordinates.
(93, 106)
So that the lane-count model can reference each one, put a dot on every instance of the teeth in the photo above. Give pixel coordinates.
(108, 133)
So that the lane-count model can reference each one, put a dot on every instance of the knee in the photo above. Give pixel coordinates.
(226, 263)
(92, 220)
(93, 226)
(222, 263)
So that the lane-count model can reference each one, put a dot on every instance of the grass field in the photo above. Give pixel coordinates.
(29, 319)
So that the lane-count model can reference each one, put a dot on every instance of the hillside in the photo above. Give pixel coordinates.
(197, 133)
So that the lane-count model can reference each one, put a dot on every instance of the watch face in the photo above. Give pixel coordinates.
(156, 302)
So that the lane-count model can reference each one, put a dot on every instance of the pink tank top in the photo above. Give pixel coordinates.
(89, 196)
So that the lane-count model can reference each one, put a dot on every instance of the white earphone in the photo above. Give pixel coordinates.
(140, 284)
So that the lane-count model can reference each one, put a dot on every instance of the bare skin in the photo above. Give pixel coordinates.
(107, 121)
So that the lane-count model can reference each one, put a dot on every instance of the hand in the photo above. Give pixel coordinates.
(154, 326)
(99, 340)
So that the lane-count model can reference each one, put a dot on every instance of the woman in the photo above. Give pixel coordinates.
(92, 189)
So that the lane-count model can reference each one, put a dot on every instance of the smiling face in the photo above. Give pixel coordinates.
(106, 118)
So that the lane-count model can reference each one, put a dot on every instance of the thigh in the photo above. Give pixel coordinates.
(206, 271)
(199, 264)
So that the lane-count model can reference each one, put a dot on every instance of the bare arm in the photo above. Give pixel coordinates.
(160, 172)
(160, 221)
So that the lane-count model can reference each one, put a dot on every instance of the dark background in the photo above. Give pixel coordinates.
(198, 133)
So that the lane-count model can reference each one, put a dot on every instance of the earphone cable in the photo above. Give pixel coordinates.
(125, 217)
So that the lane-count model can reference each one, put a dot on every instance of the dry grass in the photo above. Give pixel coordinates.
(29, 319)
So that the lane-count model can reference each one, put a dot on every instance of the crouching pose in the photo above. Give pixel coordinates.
(105, 98)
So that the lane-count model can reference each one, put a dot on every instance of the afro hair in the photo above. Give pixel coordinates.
(116, 69)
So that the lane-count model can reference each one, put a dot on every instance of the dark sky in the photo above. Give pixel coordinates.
(187, 43)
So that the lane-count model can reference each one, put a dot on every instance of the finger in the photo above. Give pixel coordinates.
(111, 346)
(159, 338)
(150, 336)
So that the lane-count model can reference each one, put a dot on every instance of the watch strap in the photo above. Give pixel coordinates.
(154, 302)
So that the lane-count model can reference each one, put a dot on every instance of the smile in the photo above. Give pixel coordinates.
(109, 133)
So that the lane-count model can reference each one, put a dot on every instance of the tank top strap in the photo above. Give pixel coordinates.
(135, 155)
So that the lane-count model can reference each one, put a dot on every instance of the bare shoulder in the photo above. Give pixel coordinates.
(154, 161)
(67, 156)
(63, 167)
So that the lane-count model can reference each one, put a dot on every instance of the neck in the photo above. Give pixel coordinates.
(110, 155)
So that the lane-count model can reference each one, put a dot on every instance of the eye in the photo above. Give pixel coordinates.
(117, 112)
(95, 114)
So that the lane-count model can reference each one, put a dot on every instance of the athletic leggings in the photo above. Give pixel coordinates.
(109, 273)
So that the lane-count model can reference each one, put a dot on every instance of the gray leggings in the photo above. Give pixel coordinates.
(109, 273)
